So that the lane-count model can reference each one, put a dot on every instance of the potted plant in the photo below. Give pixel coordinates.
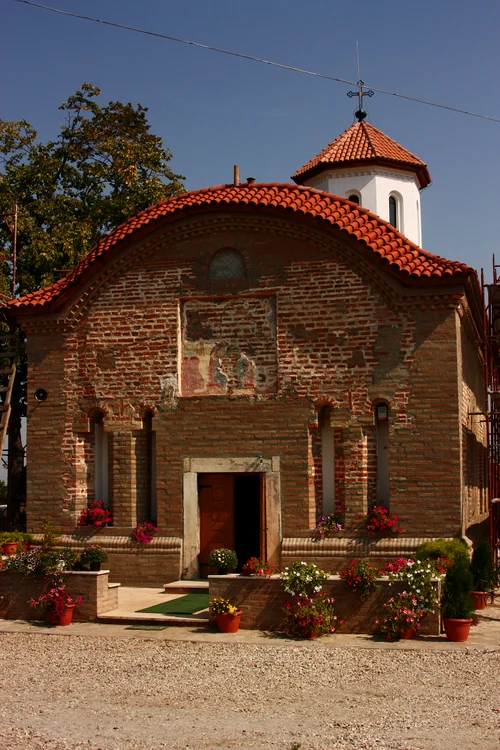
(92, 557)
(378, 521)
(327, 525)
(360, 577)
(57, 605)
(457, 608)
(257, 567)
(223, 559)
(227, 615)
(95, 514)
(403, 617)
(11, 542)
(303, 578)
(483, 573)
(309, 617)
(144, 532)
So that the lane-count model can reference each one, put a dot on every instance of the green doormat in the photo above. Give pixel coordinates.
(184, 605)
(147, 626)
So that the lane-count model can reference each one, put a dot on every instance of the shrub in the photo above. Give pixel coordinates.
(448, 548)
(482, 568)
(360, 577)
(51, 534)
(223, 559)
(303, 578)
(307, 617)
(456, 601)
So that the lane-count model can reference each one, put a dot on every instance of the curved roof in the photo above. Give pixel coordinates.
(379, 238)
(362, 143)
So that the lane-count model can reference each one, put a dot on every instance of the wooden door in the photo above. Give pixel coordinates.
(216, 493)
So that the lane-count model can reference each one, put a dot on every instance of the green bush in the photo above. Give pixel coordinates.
(456, 600)
(482, 568)
(442, 548)
(223, 559)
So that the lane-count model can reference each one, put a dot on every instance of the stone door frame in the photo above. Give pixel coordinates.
(270, 467)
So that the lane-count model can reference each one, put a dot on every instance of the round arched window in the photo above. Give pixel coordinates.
(227, 264)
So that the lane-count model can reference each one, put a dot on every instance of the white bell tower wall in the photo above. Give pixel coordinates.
(375, 186)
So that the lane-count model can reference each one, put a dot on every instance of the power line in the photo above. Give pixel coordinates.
(255, 59)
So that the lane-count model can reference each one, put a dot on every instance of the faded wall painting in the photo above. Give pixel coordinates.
(229, 346)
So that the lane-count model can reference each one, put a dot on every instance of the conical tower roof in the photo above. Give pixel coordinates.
(363, 144)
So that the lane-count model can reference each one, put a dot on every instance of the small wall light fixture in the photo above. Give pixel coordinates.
(382, 412)
(41, 394)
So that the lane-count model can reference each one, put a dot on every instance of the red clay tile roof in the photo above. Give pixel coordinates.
(359, 144)
(375, 234)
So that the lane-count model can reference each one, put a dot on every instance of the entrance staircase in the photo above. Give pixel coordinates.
(132, 599)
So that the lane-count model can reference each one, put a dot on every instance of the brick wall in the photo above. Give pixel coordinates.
(97, 597)
(261, 601)
(338, 329)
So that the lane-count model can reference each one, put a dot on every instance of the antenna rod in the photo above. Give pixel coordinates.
(14, 253)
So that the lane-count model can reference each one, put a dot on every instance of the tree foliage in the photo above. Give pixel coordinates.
(104, 167)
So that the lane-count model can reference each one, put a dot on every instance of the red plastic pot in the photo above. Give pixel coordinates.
(480, 599)
(228, 623)
(9, 548)
(67, 617)
(407, 634)
(456, 630)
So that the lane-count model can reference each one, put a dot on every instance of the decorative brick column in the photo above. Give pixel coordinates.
(354, 448)
(122, 479)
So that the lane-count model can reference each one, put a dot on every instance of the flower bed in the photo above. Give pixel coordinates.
(262, 600)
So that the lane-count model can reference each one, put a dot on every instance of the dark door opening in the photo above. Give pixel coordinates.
(247, 517)
(231, 515)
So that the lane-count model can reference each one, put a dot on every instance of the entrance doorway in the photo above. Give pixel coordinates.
(232, 515)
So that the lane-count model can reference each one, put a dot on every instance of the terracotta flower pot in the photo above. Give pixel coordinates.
(9, 548)
(456, 630)
(228, 623)
(480, 599)
(67, 617)
(408, 634)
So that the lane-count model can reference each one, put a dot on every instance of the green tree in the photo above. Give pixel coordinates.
(104, 167)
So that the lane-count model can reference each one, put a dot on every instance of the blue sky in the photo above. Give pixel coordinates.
(213, 111)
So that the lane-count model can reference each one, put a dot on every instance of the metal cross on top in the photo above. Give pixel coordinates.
(360, 112)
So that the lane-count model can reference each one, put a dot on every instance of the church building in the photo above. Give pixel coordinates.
(237, 361)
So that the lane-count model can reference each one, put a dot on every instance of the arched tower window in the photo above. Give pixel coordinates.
(354, 198)
(396, 211)
(227, 264)
(382, 435)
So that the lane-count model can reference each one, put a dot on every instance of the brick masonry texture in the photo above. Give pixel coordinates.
(244, 367)
(261, 601)
(97, 597)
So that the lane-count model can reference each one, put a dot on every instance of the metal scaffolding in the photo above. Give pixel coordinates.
(491, 295)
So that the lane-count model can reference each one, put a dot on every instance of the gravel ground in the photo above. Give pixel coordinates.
(132, 694)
